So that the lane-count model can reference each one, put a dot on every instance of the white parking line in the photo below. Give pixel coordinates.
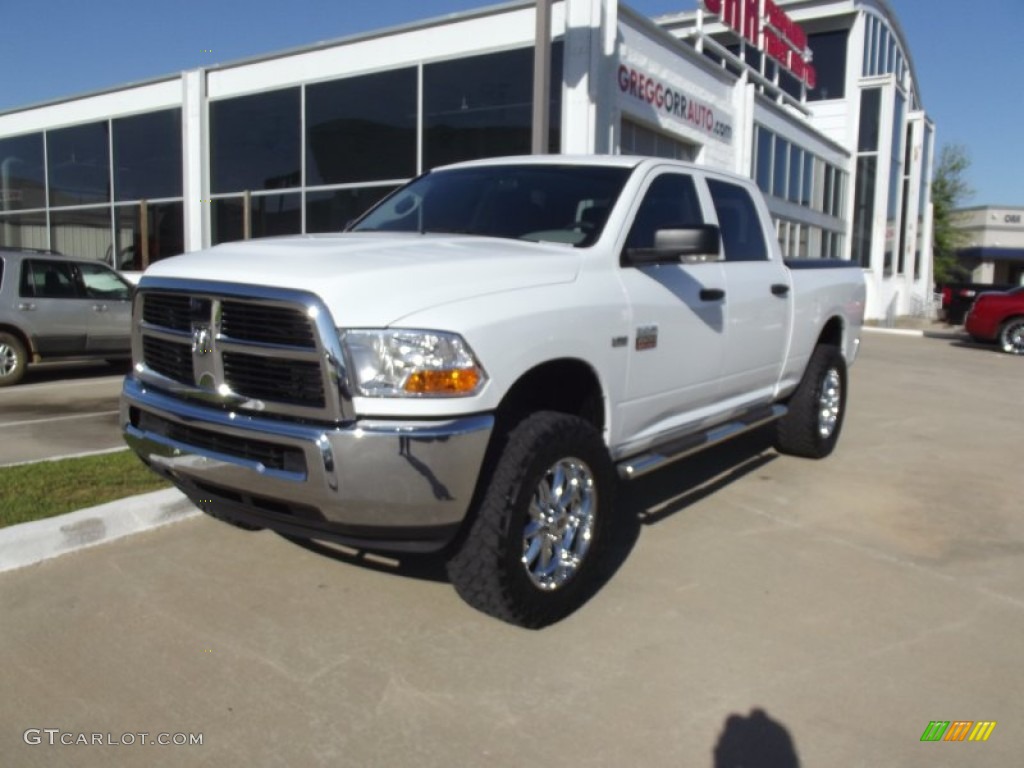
(55, 418)
(22, 388)
(66, 456)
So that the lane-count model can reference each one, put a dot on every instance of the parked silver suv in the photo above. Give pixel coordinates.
(55, 307)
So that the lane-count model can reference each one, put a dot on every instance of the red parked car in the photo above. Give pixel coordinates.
(999, 317)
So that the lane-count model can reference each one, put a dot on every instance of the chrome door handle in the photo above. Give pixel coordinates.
(26, 306)
(100, 307)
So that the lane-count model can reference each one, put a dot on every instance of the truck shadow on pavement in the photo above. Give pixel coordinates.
(643, 502)
(653, 499)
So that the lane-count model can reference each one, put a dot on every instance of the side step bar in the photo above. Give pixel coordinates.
(674, 450)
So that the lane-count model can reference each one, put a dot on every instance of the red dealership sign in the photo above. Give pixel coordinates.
(770, 28)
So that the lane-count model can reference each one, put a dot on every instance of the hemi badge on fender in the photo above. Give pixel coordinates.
(646, 337)
(619, 341)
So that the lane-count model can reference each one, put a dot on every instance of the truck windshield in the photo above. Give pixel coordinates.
(543, 203)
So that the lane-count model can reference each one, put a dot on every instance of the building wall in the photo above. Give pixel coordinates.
(283, 143)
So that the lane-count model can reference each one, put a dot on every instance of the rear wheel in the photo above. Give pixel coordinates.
(12, 359)
(816, 409)
(531, 554)
(1011, 336)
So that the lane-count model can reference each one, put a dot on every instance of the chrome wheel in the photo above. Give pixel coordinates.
(561, 521)
(8, 359)
(1012, 337)
(829, 403)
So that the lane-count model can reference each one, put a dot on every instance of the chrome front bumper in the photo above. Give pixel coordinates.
(395, 485)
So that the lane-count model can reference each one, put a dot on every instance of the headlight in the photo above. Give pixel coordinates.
(407, 363)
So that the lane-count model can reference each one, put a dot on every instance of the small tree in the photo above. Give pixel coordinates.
(949, 191)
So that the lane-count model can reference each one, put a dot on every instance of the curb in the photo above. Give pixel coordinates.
(893, 331)
(30, 543)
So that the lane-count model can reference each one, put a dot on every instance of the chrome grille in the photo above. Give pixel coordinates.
(174, 310)
(281, 381)
(169, 358)
(268, 325)
(264, 350)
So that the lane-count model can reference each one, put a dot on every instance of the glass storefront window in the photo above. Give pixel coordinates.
(226, 222)
(269, 215)
(870, 110)
(764, 159)
(147, 156)
(864, 209)
(807, 189)
(165, 234)
(78, 161)
(22, 176)
(482, 106)
(780, 176)
(255, 142)
(829, 50)
(332, 210)
(361, 128)
(894, 225)
(795, 173)
(24, 230)
(82, 232)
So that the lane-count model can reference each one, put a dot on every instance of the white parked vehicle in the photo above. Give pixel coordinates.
(477, 363)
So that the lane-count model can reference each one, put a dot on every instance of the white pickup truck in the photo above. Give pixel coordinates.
(479, 361)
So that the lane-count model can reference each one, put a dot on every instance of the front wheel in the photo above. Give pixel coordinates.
(816, 409)
(531, 554)
(12, 359)
(1011, 336)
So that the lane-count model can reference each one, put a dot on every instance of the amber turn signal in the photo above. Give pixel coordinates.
(461, 381)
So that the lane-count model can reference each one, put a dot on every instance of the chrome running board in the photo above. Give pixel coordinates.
(679, 448)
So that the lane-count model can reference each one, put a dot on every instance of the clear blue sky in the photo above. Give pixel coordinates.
(967, 54)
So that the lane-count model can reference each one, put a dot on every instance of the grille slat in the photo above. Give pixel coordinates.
(271, 455)
(169, 359)
(283, 381)
(174, 310)
(267, 324)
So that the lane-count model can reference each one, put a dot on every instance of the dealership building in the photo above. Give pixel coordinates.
(817, 100)
(992, 247)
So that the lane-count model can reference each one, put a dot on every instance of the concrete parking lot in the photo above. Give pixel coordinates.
(59, 410)
(766, 611)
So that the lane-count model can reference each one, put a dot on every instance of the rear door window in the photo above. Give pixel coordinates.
(742, 237)
(103, 283)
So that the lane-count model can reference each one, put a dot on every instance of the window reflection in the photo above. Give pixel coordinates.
(24, 230)
(147, 156)
(22, 178)
(361, 128)
(331, 210)
(78, 161)
(82, 232)
(165, 229)
(482, 106)
(254, 142)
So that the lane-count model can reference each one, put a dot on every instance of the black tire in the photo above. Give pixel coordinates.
(1011, 336)
(13, 359)
(811, 427)
(494, 568)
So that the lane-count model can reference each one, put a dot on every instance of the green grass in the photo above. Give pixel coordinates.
(48, 488)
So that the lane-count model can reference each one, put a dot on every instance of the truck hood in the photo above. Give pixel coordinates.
(376, 279)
